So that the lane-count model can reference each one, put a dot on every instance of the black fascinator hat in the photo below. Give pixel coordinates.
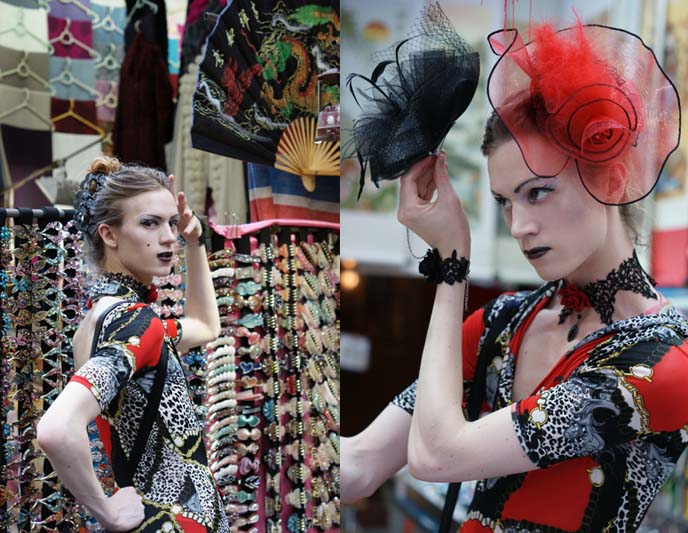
(418, 89)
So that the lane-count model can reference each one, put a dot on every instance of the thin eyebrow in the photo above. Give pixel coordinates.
(518, 188)
(157, 217)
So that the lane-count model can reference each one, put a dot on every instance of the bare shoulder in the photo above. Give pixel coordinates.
(83, 338)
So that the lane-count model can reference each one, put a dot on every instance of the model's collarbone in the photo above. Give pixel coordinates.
(543, 346)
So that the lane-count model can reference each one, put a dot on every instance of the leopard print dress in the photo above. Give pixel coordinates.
(179, 493)
(606, 427)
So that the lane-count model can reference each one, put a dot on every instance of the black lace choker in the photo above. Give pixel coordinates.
(601, 294)
(118, 284)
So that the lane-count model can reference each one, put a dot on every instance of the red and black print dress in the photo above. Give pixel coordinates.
(178, 491)
(606, 425)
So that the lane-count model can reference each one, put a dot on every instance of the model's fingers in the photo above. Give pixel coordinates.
(409, 188)
(441, 174)
(429, 191)
(182, 203)
(191, 225)
(173, 186)
(425, 181)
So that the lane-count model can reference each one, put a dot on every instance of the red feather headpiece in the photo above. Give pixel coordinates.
(590, 93)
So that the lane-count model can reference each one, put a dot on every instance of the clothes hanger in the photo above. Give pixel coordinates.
(23, 70)
(67, 39)
(108, 24)
(20, 29)
(243, 244)
(70, 113)
(67, 78)
(110, 99)
(109, 60)
(58, 163)
(266, 236)
(92, 14)
(140, 4)
(26, 104)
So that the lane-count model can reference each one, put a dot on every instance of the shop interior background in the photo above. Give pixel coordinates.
(386, 305)
(80, 78)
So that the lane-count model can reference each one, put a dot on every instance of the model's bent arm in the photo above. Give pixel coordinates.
(374, 455)
(201, 322)
(443, 445)
(63, 436)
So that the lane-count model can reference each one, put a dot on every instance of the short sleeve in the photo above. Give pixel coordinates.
(173, 329)
(406, 399)
(471, 332)
(641, 392)
(131, 339)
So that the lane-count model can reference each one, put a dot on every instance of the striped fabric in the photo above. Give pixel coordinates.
(277, 194)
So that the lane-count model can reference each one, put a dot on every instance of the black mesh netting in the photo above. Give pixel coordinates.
(418, 89)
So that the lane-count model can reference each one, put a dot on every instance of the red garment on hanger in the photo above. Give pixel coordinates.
(145, 112)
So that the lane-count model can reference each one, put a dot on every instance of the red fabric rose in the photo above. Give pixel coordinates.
(594, 93)
(574, 298)
(152, 295)
(593, 114)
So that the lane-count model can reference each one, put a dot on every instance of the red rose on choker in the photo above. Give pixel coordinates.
(574, 298)
(152, 295)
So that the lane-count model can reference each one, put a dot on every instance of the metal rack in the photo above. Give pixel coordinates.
(43, 212)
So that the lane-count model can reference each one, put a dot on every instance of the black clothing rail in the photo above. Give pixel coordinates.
(26, 215)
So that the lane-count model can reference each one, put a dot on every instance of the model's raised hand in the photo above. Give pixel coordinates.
(441, 223)
(189, 225)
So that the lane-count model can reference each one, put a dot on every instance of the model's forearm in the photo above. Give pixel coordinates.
(354, 482)
(374, 455)
(200, 294)
(438, 414)
(67, 447)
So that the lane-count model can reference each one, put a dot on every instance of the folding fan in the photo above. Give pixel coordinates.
(298, 153)
(259, 75)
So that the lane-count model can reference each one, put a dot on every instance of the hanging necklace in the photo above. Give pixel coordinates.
(601, 295)
(572, 300)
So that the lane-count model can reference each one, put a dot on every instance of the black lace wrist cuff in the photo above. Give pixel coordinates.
(450, 270)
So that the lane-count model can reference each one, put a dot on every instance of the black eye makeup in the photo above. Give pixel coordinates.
(153, 220)
(538, 193)
(501, 201)
(534, 195)
(148, 222)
